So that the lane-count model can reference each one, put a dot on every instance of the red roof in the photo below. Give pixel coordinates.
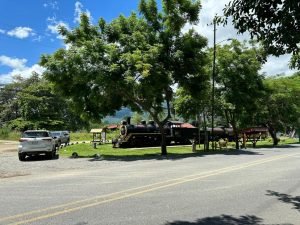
(112, 126)
(187, 125)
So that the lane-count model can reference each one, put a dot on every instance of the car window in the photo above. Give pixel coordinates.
(33, 134)
(55, 133)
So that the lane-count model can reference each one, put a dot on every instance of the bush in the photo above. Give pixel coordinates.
(4, 133)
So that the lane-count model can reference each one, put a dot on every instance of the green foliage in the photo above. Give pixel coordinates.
(239, 84)
(32, 104)
(283, 108)
(275, 23)
(7, 134)
(190, 107)
(4, 133)
(131, 61)
(87, 136)
(106, 151)
(136, 118)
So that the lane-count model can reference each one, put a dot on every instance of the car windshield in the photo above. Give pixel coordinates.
(33, 134)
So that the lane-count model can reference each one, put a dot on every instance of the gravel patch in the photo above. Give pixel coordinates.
(10, 166)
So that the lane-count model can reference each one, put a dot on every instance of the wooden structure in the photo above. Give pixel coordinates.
(99, 135)
(252, 134)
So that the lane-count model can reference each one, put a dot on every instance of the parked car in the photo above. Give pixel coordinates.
(36, 142)
(61, 137)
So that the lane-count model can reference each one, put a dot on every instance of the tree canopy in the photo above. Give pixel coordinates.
(280, 108)
(239, 83)
(31, 104)
(275, 23)
(131, 61)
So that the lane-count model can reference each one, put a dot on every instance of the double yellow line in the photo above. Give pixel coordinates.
(45, 213)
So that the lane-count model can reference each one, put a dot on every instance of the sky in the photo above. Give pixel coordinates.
(28, 29)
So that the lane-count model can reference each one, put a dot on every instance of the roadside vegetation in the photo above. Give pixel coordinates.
(136, 61)
(106, 151)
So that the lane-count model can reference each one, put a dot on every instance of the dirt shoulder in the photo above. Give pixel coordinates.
(8, 146)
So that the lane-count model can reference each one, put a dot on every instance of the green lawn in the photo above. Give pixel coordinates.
(106, 151)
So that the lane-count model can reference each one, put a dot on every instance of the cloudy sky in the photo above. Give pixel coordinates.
(29, 29)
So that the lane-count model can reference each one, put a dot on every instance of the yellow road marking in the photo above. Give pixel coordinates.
(98, 200)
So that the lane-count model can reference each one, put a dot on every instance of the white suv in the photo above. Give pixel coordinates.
(35, 142)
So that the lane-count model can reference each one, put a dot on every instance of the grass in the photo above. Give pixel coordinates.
(107, 152)
(7, 134)
(86, 136)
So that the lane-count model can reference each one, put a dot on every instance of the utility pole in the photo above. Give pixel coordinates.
(213, 87)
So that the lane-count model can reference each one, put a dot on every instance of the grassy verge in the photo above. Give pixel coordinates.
(85, 136)
(107, 152)
(6, 134)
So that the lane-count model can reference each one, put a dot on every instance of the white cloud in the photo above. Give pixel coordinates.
(2, 31)
(52, 4)
(18, 68)
(21, 32)
(278, 65)
(13, 63)
(38, 38)
(210, 8)
(54, 25)
(79, 10)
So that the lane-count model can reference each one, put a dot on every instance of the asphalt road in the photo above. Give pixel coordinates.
(252, 187)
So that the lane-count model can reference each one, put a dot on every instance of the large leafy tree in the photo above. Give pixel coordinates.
(239, 84)
(280, 109)
(10, 107)
(275, 23)
(30, 104)
(132, 61)
(192, 107)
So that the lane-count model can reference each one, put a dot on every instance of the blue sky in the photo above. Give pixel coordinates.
(28, 28)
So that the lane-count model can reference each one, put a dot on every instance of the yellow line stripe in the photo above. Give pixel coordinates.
(143, 189)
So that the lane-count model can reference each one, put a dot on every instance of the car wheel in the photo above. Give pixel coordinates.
(22, 156)
(67, 143)
(52, 154)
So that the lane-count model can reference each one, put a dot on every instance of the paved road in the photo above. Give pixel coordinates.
(254, 187)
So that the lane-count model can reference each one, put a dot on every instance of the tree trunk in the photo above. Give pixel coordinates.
(236, 136)
(206, 142)
(272, 132)
(230, 116)
(163, 139)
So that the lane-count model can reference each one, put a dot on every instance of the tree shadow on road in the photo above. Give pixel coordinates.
(171, 156)
(225, 220)
(294, 200)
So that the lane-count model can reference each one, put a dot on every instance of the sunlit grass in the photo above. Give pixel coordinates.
(106, 151)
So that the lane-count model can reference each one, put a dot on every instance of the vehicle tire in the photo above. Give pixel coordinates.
(22, 156)
(52, 154)
(67, 143)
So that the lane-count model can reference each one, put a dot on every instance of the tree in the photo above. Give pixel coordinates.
(137, 118)
(31, 104)
(282, 111)
(132, 61)
(191, 107)
(10, 107)
(239, 84)
(276, 23)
